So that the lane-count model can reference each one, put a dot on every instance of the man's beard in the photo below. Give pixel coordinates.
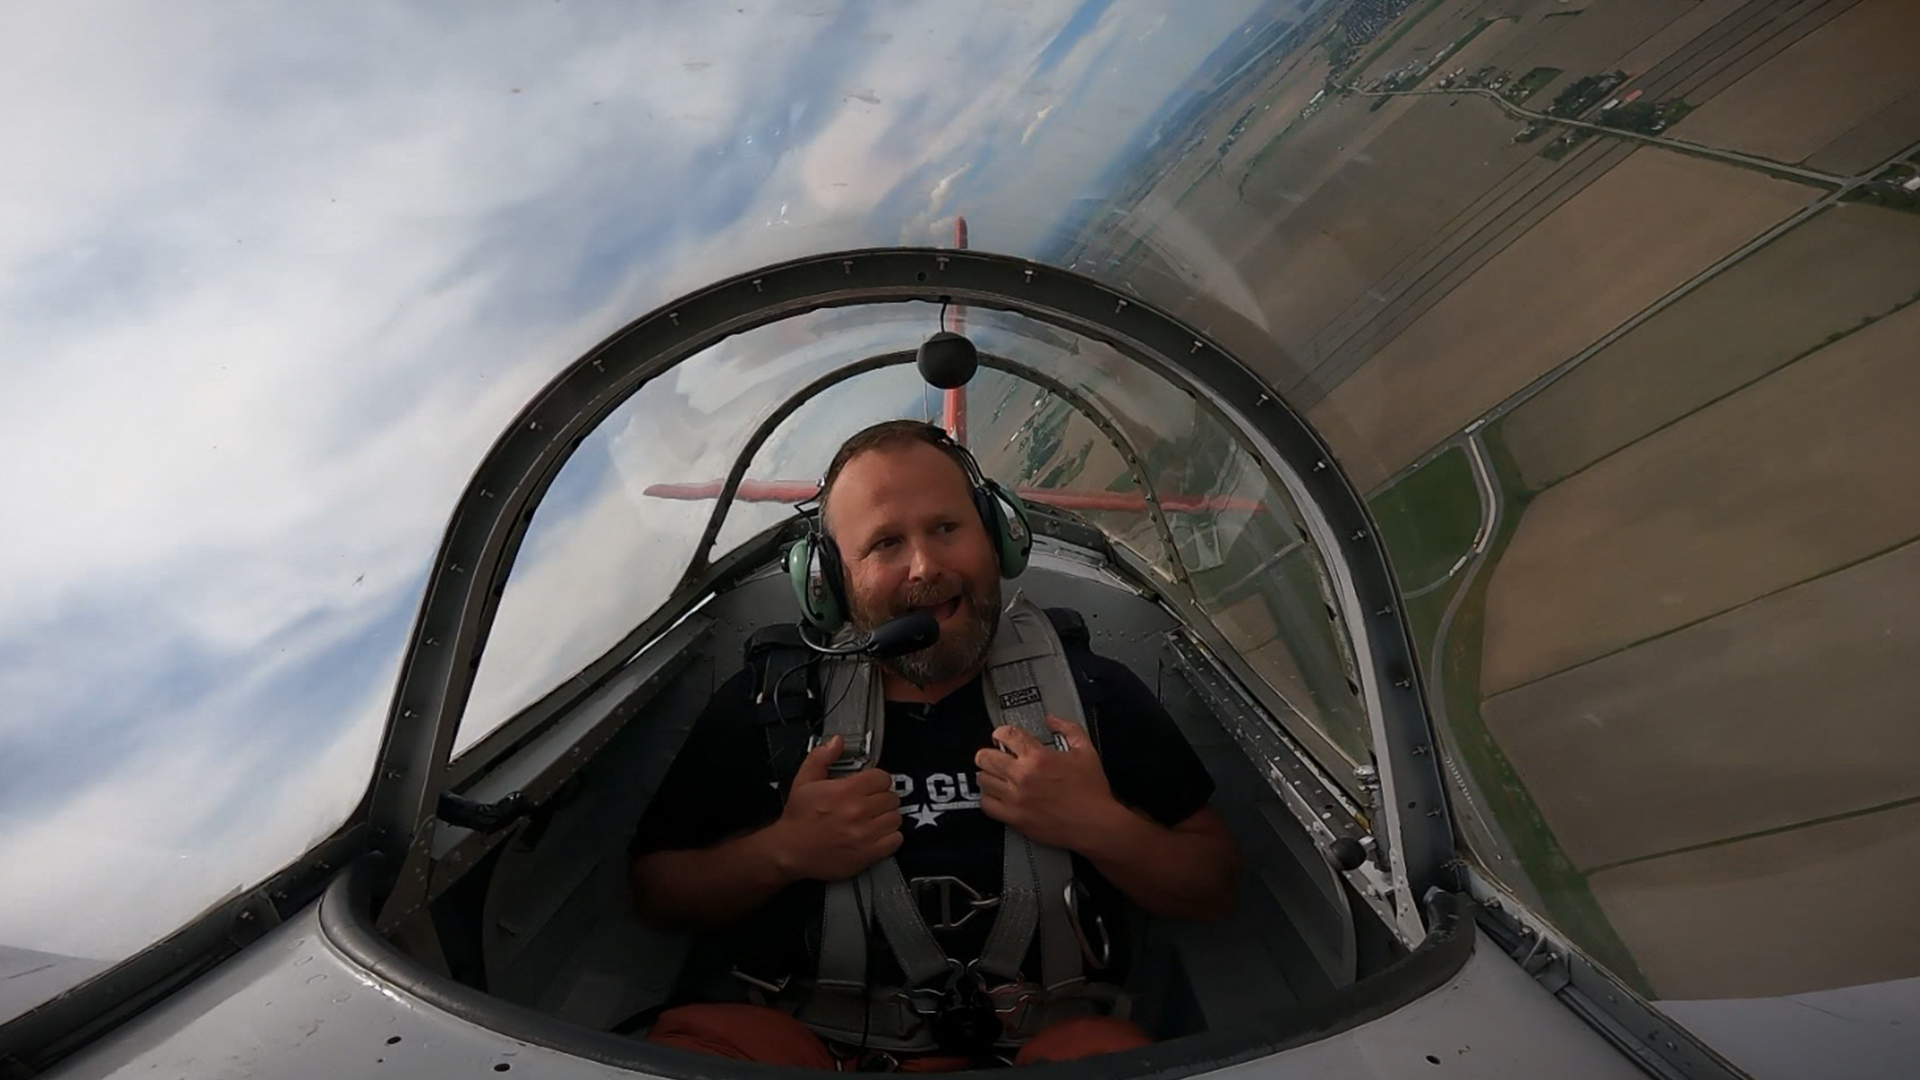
(962, 648)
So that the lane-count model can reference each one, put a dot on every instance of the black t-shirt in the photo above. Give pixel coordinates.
(721, 784)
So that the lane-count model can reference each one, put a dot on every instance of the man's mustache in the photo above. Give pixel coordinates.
(932, 594)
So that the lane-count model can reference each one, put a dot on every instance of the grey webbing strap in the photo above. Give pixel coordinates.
(1005, 949)
(1027, 675)
(843, 938)
(915, 948)
(879, 1021)
(845, 686)
(856, 711)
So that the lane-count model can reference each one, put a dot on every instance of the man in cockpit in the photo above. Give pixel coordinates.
(753, 852)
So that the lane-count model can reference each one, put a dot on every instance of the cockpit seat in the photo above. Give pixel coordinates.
(559, 934)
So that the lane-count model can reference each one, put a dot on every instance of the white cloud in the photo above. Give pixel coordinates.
(134, 852)
(943, 187)
(1038, 119)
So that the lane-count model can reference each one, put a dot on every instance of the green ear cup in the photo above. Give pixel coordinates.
(819, 600)
(1006, 520)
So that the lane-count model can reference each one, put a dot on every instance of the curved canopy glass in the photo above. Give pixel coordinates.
(602, 553)
(1096, 435)
(1609, 309)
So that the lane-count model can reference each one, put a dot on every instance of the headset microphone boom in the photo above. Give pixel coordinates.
(911, 632)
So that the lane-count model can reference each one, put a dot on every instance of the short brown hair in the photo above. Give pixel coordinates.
(886, 434)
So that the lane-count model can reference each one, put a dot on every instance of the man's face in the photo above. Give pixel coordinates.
(910, 538)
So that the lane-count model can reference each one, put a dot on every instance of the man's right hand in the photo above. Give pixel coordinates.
(833, 828)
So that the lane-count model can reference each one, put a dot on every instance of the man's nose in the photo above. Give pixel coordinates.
(922, 560)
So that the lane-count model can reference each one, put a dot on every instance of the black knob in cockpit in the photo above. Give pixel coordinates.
(1347, 853)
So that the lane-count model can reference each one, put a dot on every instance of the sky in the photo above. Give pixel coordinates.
(273, 276)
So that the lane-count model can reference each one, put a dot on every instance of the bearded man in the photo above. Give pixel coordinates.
(721, 850)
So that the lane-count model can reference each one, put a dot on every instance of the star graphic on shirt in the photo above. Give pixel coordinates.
(925, 815)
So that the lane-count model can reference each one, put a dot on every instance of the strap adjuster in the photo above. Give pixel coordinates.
(944, 886)
(1053, 738)
(850, 759)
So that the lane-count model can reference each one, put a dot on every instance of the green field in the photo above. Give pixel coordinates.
(1428, 519)
(1531, 83)
(1423, 618)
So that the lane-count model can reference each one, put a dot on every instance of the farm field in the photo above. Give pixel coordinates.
(1693, 919)
(1663, 43)
(1598, 37)
(1321, 257)
(1640, 230)
(1819, 88)
(1664, 746)
(1688, 522)
(1850, 264)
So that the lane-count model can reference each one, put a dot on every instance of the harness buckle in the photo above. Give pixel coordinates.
(851, 759)
(961, 1015)
(930, 999)
(944, 886)
(1013, 1002)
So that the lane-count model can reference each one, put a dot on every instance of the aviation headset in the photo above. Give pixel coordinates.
(813, 562)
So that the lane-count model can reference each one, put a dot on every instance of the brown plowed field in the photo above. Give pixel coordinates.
(1808, 470)
(1634, 234)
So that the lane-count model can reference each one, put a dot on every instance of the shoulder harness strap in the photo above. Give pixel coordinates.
(1027, 677)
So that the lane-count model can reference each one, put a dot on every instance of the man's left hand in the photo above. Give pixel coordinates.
(1053, 797)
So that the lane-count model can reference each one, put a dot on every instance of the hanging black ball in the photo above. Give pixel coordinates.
(948, 360)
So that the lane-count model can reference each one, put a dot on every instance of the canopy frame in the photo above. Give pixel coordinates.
(476, 553)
